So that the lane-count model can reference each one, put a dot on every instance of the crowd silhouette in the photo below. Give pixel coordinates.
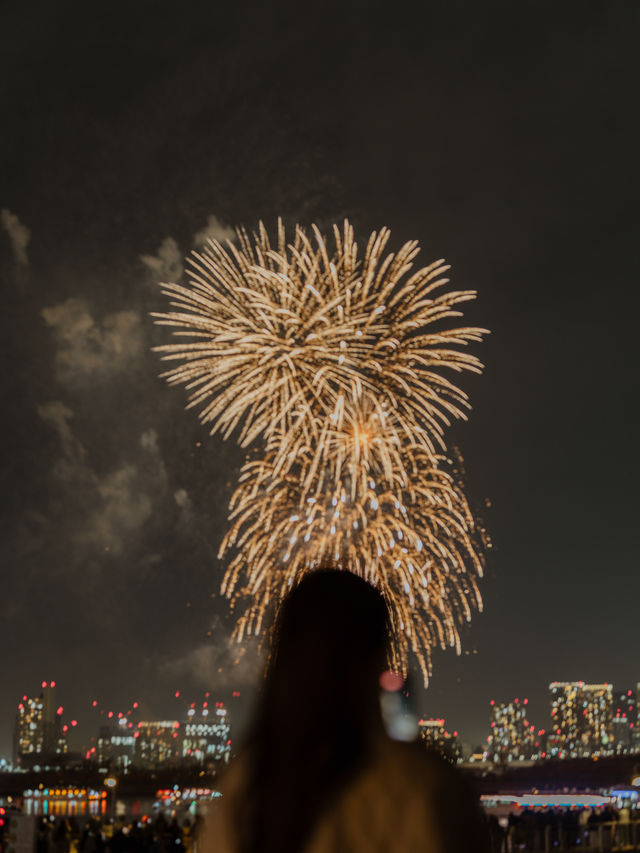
(160, 834)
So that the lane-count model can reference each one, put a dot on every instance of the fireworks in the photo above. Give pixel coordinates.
(276, 340)
(413, 538)
(338, 364)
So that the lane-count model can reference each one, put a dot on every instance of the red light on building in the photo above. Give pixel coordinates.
(135, 704)
(94, 703)
(60, 710)
(177, 694)
(44, 684)
(74, 723)
(53, 684)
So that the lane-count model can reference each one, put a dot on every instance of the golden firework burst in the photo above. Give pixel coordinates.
(411, 534)
(339, 362)
(273, 340)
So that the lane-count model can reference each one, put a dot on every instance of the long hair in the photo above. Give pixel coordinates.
(319, 711)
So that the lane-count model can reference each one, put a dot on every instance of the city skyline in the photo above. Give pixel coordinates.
(582, 720)
(501, 139)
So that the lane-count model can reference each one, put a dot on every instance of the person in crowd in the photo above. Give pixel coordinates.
(318, 772)
(62, 836)
(43, 836)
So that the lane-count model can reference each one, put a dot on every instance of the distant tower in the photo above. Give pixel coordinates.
(513, 736)
(437, 737)
(156, 742)
(29, 730)
(115, 747)
(624, 720)
(581, 719)
(37, 727)
(50, 719)
(206, 737)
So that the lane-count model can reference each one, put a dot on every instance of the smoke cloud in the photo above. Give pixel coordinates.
(86, 346)
(166, 265)
(215, 229)
(19, 235)
(220, 663)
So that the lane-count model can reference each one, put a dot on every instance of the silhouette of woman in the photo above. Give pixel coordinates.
(317, 772)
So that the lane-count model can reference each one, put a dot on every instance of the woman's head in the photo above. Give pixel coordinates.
(319, 712)
(330, 634)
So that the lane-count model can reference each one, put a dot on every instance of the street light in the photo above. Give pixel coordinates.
(111, 783)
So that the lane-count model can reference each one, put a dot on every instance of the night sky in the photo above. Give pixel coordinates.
(504, 137)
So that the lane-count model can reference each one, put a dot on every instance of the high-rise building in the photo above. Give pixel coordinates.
(206, 736)
(635, 735)
(38, 732)
(115, 747)
(624, 720)
(29, 729)
(513, 737)
(581, 719)
(157, 742)
(435, 734)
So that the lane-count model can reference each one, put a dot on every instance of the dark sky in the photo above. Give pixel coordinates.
(504, 137)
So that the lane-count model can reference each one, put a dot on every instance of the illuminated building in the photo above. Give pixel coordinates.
(156, 742)
(436, 736)
(38, 732)
(581, 719)
(207, 737)
(624, 720)
(115, 747)
(513, 737)
(29, 732)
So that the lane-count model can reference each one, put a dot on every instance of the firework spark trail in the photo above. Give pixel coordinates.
(336, 363)
(414, 538)
(276, 339)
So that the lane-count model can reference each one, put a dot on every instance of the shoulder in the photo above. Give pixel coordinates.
(217, 832)
(407, 798)
(390, 805)
(415, 764)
